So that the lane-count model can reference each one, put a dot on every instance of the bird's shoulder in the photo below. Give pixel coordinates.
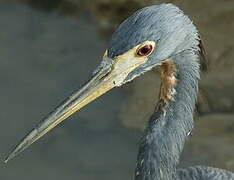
(204, 173)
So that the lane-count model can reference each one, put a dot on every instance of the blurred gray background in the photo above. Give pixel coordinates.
(48, 48)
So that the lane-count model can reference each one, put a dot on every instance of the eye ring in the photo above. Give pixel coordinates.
(144, 50)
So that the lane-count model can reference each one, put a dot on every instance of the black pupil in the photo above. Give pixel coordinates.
(144, 50)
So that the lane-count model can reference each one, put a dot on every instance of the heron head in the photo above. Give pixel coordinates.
(163, 27)
(146, 39)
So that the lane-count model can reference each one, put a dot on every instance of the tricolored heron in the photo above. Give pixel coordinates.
(159, 35)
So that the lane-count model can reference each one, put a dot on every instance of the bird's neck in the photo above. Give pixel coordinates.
(172, 121)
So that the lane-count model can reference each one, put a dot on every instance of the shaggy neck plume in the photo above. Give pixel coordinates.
(172, 122)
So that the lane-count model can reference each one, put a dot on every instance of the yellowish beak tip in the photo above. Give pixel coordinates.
(6, 160)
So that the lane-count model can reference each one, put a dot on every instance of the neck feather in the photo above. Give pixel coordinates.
(172, 121)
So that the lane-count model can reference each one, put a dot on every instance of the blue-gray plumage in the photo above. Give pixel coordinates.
(177, 39)
(159, 35)
(165, 24)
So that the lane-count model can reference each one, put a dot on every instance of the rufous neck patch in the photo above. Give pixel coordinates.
(168, 83)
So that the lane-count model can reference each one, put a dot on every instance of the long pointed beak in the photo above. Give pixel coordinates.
(100, 83)
(111, 73)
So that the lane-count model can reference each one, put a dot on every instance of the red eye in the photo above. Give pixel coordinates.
(145, 50)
